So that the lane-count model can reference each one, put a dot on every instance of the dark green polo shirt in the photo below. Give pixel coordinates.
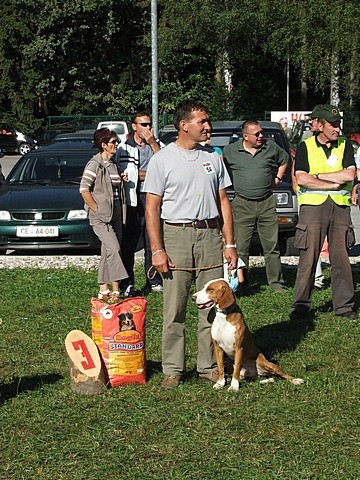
(253, 175)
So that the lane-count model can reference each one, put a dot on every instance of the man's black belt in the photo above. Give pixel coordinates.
(209, 223)
(261, 199)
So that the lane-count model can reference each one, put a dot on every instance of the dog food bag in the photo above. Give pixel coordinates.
(119, 332)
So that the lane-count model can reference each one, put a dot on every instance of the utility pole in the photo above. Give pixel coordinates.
(287, 83)
(154, 68)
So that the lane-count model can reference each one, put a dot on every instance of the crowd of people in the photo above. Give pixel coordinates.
(173, 200)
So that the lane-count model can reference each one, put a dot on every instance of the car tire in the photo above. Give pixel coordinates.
(24, 148)
(290, 249)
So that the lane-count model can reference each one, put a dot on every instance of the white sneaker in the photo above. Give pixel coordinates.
(129, 291)
(157, 288)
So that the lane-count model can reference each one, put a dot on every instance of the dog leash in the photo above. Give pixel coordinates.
(151, 276)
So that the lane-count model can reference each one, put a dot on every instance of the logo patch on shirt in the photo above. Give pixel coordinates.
(331, 161)
(207, 166)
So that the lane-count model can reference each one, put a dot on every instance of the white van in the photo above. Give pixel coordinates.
(120, 127)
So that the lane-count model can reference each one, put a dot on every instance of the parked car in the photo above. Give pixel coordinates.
(40, 204)
(226, 132)
(13, 141)
(120, 127)
(49, 134)
(74, 137)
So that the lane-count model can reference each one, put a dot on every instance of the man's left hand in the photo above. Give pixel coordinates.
(231, 257)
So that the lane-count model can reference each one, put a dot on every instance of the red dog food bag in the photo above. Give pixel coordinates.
(119, 332)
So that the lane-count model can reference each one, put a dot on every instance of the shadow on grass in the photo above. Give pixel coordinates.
(283, 336)
(26, 384)
(152, 368)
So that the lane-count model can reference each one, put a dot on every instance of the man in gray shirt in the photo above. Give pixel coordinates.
(185, 185)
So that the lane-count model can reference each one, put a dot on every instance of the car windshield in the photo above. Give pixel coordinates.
(44, 169)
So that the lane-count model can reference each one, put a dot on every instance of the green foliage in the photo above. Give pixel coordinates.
(94, 57)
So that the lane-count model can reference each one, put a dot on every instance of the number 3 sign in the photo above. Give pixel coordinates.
(83, 353)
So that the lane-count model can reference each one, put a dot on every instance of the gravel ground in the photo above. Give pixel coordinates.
(91, 263)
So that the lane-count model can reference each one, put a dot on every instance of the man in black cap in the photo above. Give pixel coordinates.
(325, 170)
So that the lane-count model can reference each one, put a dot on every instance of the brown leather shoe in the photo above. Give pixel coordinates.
(209, 377)
(171, 381)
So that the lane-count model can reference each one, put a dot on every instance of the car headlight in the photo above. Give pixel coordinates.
(77, 215)
(282, 199)
(5, 216)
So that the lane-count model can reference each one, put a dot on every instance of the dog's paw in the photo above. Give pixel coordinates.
(219, 384)
(297, 381)
(233, 389)
(264, 381)
(234, 386)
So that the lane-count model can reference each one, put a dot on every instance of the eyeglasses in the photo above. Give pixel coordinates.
(256, 134)
(114, 142)
(144, 124)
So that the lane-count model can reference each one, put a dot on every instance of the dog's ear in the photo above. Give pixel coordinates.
(122, 316)
(227, 297)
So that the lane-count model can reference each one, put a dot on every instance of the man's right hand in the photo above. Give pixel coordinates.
(162, 262)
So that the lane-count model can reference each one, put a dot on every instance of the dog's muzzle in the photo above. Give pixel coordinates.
(202, 305)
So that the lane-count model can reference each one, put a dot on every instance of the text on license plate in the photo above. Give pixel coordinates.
(37, 231)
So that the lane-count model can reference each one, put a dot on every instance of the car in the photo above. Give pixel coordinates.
(40, 204)
(226, 132)
(120, 127)
(14, 141)
(77, 137)
(49, 134)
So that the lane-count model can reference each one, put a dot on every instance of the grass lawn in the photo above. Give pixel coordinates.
(274, 431)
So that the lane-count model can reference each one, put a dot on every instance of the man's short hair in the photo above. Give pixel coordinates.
(138, 114)
(247, 123)
(185, 110)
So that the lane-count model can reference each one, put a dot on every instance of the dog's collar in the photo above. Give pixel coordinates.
(226, 311)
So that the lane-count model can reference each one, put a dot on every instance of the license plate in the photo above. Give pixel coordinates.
(37, 231)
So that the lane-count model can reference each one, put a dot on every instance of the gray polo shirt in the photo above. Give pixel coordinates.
(253, 175)
(188, 182)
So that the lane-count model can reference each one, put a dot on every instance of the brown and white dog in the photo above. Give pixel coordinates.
(231, 335)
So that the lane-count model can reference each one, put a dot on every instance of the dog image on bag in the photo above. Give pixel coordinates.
(126, 322)
(231, 336)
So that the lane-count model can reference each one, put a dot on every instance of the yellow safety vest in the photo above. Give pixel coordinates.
(319, 163)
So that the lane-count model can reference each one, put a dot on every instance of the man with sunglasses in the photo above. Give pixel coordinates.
(133, 158)
(256, 165)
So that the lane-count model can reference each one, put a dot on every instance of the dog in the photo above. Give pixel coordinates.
(231, 336)
(126, 322)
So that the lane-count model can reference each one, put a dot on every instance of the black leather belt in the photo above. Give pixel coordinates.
(210, 223)
(261, 199)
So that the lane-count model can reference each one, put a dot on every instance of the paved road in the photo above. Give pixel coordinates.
(8, 161)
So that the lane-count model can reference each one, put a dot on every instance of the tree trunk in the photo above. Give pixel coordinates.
(335, 80)
(87, 373)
